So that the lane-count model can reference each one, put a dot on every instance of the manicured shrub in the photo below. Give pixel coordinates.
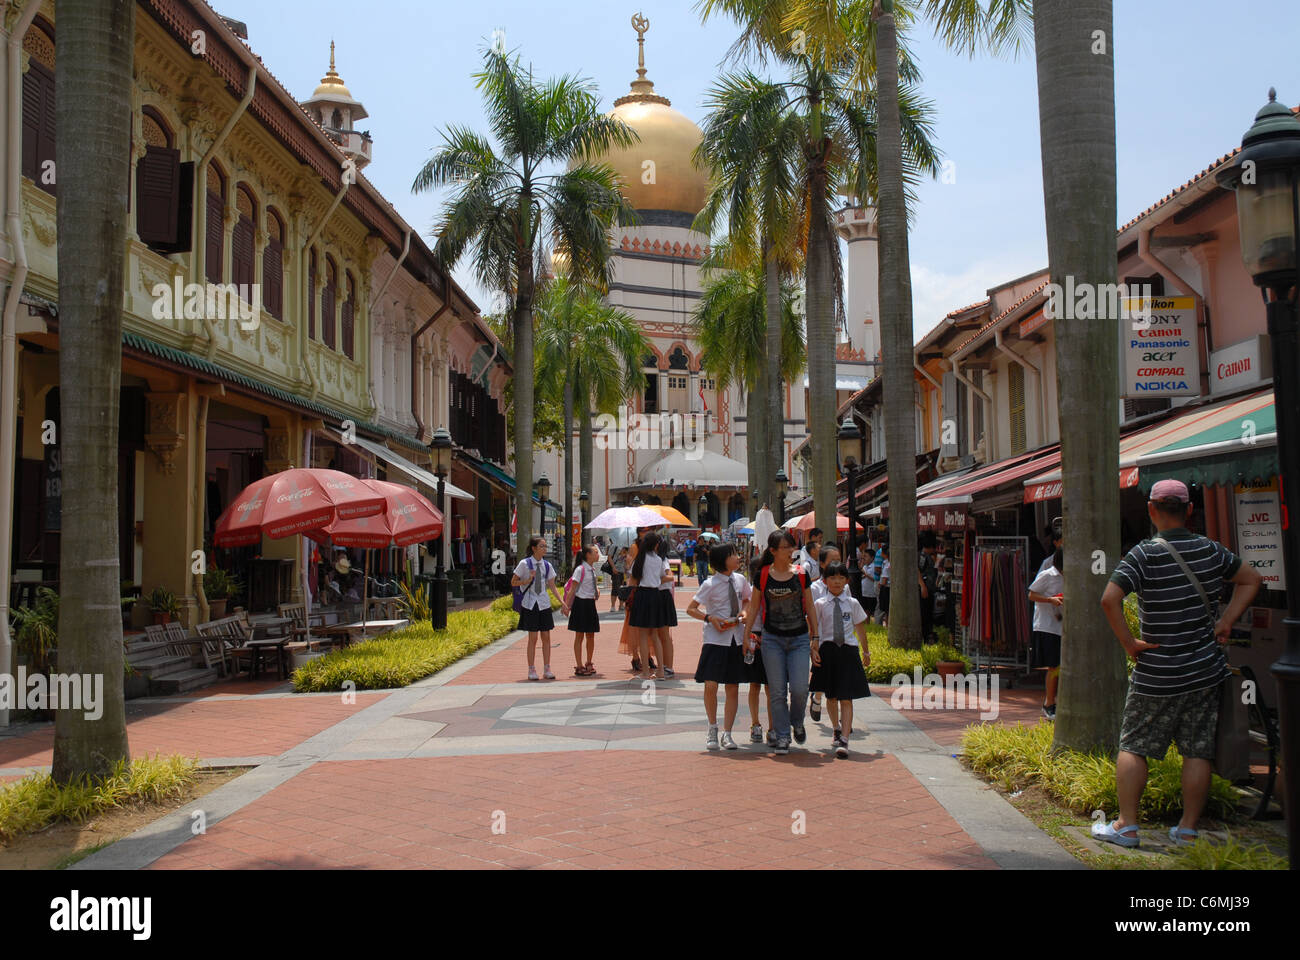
(887, 661)
(37, 801)
(1017, 756)
(400, 658)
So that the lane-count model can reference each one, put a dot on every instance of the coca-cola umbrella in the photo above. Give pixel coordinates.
(292, 502)
(408, 517)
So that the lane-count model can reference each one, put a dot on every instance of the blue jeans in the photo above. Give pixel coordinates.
(787, 661)
(701, 567)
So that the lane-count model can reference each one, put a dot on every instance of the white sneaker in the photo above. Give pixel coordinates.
(728, 743)
(712, 742)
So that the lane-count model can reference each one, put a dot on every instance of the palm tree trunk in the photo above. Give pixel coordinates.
(585, 457)
(92, 127)
(775, 408)
(896, 350)
(756, 438)
(566, 554)
(820, 301)
(524, 400)
(1076, 106)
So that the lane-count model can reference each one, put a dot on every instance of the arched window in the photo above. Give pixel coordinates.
(650, 365)
(336, 120)
(348, 313)
(677, 360)
(162, 188)
(311, 296)
(328, 300)
(215, 230)
(243, 243)
(273, 266)
(38, 106)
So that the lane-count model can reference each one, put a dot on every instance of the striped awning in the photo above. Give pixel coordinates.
(1231, 431)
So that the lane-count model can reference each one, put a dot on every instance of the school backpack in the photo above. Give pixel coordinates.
(518, 592)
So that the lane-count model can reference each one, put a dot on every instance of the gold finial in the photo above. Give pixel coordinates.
(331, 56)
(640, 24)
(643, 90)
(332, 78)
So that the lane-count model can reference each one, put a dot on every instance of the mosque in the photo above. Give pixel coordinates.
(683, 442)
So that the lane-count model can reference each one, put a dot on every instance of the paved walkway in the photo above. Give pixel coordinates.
(477, 767)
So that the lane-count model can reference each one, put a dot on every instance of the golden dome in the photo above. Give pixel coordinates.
(657, 172)
(331, 85)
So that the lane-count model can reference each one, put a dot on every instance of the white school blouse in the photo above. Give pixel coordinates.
(652, 573)
(714, 598)
(850, 610)
(587, 585)
(535, 597)
(819, 590)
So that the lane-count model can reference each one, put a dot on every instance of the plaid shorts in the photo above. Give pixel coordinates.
(1188, 719)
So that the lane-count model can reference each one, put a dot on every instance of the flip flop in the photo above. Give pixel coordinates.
(1107, 833)
(1183, 836)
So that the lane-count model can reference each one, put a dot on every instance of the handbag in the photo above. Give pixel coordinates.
(607, 567)
(1232, 732)
(517, 593)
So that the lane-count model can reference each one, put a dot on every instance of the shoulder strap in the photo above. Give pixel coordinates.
(1196, 581)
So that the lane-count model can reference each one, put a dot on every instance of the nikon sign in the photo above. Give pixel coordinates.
(1161, 353)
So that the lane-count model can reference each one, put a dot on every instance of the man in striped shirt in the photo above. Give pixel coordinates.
(1174, 689)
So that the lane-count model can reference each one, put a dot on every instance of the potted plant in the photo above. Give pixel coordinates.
(162, 603)
(38, 630)
(219, 587)
(950, 662)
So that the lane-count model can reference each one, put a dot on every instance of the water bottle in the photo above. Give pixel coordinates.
(749, 657)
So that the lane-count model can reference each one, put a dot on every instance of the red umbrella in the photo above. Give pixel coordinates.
(408, 517)
(291, 502)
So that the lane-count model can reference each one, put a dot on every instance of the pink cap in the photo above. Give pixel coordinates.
(1170, 490)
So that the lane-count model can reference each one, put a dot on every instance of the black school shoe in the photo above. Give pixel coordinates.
(800, 734)
(815, 710)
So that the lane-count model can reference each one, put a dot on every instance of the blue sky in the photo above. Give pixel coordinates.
(1190, 75)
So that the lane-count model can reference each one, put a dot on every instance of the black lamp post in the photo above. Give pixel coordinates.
(704, 509)
(543, 488)
(584, 506)
(850, 444)
(782, 485)
(636, 500)
(1266, 177)
(441, 467)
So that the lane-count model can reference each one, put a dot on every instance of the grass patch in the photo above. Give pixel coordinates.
(887, 661)
(1019, 756)
(1232, 855)
(37, 801)
(416, 651)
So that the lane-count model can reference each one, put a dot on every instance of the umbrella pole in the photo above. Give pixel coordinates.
(365, 593)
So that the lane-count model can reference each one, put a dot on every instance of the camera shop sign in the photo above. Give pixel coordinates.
(1161, 358)
(1259, 532)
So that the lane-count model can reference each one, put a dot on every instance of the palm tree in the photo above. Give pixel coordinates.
(96, 46)
(589, 353)
(508, 197)
(730, 325)
(1076, 107)
(821, 42)
(751, 141)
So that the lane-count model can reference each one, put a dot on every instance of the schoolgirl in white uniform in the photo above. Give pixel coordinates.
(720, 603)
(648, 602)
(584, 618)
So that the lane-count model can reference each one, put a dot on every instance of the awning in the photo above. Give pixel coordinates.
(956, 487)
(865, 486)
(1223, 439)
(411, 470)
(947, 509)
(498, 477)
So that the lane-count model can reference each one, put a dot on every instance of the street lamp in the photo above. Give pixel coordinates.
(850, 448)
(1266, 177)
(782, 485)
(543, 488)
(584, 505)
(441, 467)
(704, 508)
(636, 500)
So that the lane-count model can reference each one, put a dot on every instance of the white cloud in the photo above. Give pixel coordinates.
(936, 293)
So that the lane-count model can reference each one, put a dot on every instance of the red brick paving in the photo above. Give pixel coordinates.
(208, 728)
(1018, 704)
(617, 809)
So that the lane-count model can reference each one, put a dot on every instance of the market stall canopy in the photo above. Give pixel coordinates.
(695, 469)
(1224, 439)
(808, 521)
